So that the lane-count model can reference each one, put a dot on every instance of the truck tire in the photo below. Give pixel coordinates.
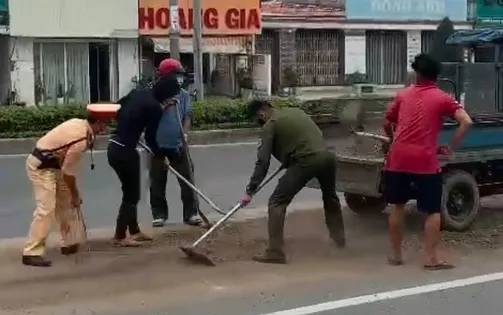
(363, 204)
(460, 201)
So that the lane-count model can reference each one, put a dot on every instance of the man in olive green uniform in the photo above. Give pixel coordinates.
(293, 138)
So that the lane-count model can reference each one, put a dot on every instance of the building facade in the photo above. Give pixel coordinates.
(73, 50)
(331, 42)
(77, 51)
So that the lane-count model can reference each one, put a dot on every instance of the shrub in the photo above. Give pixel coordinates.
(219, 112)
(211, 113)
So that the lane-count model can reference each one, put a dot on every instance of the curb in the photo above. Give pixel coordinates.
(13, 246)
(25, 145)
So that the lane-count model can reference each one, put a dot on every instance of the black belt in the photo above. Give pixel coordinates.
(47, 159)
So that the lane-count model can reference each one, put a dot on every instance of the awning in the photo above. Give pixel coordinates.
(216, 45)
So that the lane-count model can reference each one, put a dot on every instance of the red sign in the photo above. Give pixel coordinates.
(219, 17)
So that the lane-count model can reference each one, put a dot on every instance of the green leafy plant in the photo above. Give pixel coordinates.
(142, 81)
(210, 113)
(216, 112)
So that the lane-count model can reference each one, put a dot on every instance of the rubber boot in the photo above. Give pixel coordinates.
(271, 257)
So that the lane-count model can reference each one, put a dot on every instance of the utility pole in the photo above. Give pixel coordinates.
(174, 30)
(198, 55)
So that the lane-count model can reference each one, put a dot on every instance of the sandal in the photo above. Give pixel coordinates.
(439, 266)
(126, 243)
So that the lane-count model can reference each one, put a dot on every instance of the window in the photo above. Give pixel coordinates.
(61, 73)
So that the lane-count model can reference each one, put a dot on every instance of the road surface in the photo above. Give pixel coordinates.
(320, 279)
(221, 172)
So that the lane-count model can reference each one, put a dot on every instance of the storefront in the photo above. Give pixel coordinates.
(73, 51)
(388, 52)
(228, 31)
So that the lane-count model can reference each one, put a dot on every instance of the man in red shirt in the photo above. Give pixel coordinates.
(412, 169)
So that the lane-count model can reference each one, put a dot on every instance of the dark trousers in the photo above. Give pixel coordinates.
(126, 164)
(180, 160)
(323, 168)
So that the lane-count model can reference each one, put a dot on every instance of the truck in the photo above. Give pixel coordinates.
(475, 169)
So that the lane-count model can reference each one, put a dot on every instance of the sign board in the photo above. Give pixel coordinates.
(262, 75)
(355, 54)
(489, 12)
(231, 17)
(401, 10)
(413, 47)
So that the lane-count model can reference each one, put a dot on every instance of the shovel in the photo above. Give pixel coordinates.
(192, 252)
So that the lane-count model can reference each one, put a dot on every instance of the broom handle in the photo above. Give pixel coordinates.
(191, 173)
(188, 183)
(372, 135)
(234, 209)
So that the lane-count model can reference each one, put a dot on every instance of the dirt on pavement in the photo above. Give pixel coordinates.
(105, 271)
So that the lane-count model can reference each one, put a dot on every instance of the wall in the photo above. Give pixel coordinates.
(22, 74)
(128, 62)
(74, 18)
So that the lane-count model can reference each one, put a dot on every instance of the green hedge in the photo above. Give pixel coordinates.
(18, 122)
(212, 113)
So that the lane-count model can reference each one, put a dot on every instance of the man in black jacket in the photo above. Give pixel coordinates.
(141, 110)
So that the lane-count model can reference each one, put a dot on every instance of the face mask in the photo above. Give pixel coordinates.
(261, 120)
(180, 79)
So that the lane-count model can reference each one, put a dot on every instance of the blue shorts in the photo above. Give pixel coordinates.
(426, 189)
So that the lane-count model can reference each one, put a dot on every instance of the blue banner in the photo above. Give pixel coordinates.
(400, 10)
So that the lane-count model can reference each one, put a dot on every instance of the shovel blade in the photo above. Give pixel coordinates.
(196, 257)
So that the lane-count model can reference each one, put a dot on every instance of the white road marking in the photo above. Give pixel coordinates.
(215, 145)
(384, 296)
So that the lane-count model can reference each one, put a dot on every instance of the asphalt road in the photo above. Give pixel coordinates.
(450, 293)
(221, 172)
(473, 288)
(477, 299)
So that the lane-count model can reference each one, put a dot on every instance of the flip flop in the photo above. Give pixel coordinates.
(140, 237)
(440, 266)
(395, 262)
